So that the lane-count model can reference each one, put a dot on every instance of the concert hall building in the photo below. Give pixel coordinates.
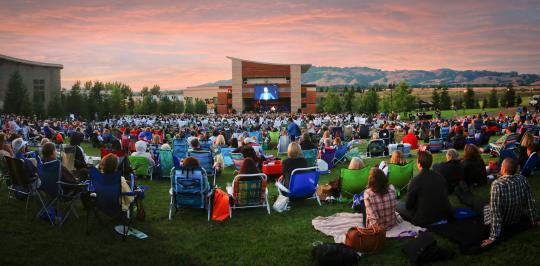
(262, 87)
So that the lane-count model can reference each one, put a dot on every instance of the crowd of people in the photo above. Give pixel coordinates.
(427, 193)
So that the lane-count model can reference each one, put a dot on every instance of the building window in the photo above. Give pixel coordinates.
(229, 106)
(304, 105)
(229, 96)
(304, 95)
(39, 90)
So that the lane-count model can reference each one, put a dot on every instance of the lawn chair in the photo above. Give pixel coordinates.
(107, 190)
(154, 150)
(206, 160)
(347, 133)
(376, 148)
(530, 165)
(226, 153)
(399, 175)
(57, 191)
(274, 138)
(283, 144)
(509, 143)
(141, 167)
(189, 189)
(310, 156)
(249, 191)
(166, 163)
(206, 145)
(256, 135)
(4, 171)
(445, 131)
(20, 183)
(180, 148)
(237, 159)
(353, 181)
(303, 184)
(68, 157)
(328, 156)
(339, 157)
(435, 145)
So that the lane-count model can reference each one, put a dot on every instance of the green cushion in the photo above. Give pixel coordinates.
(399, 176)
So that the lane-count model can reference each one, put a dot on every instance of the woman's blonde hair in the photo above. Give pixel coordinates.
(220, 140)
(356, 163)
(397, 158)
(294, 150)
(156, 139)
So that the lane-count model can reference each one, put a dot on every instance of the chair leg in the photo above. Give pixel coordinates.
(318, 200)
(170, 208)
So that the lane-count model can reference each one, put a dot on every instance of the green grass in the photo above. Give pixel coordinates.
(252, 237)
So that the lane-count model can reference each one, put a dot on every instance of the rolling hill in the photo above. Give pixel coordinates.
(340, 76)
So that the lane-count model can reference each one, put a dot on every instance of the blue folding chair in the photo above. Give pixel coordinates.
(226, 153)
(189, 189)
(303, 184)
(435, 145)
(283, 144)
(206, 160)
(256, 135)
(58, 191)
(180, 148)
(445, 131)
(206, 145)
(339, 157)
(530, 165)
(108, 190)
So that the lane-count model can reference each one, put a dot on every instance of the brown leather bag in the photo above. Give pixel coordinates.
(366, 240)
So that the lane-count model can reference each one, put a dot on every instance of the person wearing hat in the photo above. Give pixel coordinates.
(20, 149)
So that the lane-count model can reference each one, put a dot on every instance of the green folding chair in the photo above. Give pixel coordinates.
(140, 166)
(274, 138)
(399, 176)
(353, 181)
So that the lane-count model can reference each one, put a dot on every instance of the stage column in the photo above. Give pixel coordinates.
(296, 88)
(237, 86)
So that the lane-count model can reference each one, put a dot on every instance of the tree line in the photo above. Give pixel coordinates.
(96, 99)
(399, 98)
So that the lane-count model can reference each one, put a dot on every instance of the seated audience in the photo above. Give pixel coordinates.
(48, 153)
(140, 147)
(5, 149)
(411, 139)
(306, 142)
(109, 165)
(356, 164)
(191, 163)
(380, 201)
(452, 170)
(397, 158)
(427, 198)
(473, 166)
(294, 161)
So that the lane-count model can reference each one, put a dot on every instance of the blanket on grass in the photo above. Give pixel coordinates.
(338, 224)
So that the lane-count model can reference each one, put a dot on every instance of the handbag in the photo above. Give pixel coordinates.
(366, 240)
(281, 203)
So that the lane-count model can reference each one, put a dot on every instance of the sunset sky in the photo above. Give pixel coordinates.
(184, 43)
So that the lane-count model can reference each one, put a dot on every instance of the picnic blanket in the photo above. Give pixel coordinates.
(338, 224)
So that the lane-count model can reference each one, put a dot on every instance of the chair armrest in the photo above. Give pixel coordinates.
(72, 184)
(281, 187)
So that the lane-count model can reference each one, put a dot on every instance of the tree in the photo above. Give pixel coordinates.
(519, 101)
(332, 103)
(55, 108)
(349, 99)
(371, 101)
(485, 103)
(16, 96)
(200, 107)
(510, 96)
(468, 98)
(190, 108)
(178, 106)
(436, 98)
(493, 99)
(155, 90)
(403, 99)
(144, 91)
(446, 102)
(458, 103)
(165, 105)
(117, 102)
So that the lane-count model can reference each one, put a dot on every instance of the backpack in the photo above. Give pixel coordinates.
(334, 254)
(376, 148)
(424, 249)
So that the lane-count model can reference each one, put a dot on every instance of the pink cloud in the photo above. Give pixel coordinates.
(179, 45)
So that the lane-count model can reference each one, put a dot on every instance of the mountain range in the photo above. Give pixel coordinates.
(343, 76)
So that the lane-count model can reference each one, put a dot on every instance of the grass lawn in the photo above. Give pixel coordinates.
(252, 237)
